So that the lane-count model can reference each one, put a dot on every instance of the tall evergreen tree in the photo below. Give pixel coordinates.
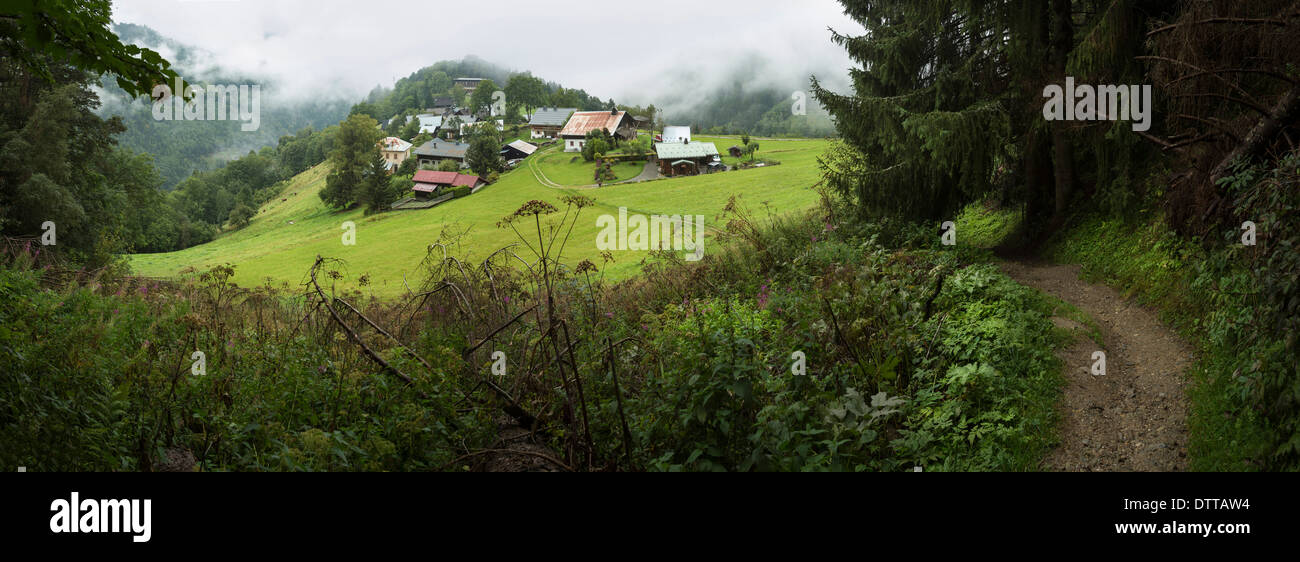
(374, 192)
(928, 121)
(947, 104)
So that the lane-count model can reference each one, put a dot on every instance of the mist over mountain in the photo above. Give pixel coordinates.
(750, 93)
(753, 93)
(181, 147)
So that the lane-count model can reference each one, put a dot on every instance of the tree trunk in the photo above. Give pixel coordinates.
(1063, 168)
(1062, 152)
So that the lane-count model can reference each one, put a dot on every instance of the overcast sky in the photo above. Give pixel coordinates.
(609, 48)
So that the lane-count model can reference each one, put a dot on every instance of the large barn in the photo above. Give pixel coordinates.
(617, 123)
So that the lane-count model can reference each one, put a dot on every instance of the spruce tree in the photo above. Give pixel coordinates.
(375, 193)
(946, 106)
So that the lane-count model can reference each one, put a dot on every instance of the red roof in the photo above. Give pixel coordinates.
(430, 176)
(443, 178)
(585, 121)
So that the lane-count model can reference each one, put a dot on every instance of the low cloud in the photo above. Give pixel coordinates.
(632, 53)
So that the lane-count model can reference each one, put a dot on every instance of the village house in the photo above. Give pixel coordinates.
(395, 151)
(516, 150)
(677, 134)
(437, 150)
(429, 123)
(616, 123)
(467, 84)
(452, 125)
(429, 184)
(686, 158)
(547, 121)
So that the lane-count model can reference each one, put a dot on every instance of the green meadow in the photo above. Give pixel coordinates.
(283, 240)
(569, 169)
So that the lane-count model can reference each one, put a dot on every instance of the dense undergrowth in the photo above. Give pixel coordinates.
(915, 354)
(1238, 303)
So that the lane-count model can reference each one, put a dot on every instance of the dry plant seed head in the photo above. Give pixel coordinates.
(536, 207)
(579, 201)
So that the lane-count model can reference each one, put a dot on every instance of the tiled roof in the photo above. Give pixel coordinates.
(432, 178)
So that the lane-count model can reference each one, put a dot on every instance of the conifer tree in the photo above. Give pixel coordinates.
(946, 106)
(375, 192)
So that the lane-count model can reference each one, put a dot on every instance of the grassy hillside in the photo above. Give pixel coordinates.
(287, 234)
(568, 168)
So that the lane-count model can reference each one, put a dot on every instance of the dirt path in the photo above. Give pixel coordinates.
(1134, 417)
